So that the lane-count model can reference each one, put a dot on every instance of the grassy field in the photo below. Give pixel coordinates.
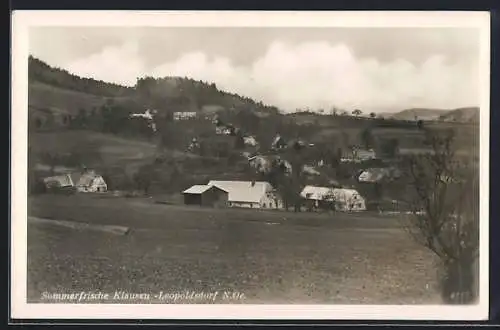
(269, 257)
(52, 97)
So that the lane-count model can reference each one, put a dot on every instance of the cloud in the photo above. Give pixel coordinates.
(308, 74)
(117, 64)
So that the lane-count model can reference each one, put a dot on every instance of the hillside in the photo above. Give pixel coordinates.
(76, 122)
(56, 91)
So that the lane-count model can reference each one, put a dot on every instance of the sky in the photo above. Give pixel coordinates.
(373, 69)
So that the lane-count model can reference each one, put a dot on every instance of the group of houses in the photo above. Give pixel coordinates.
(80, 181)
(229, 129)
(262, 195)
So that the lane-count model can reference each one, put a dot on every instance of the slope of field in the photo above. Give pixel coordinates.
(269, 257)
(112, 150)
(44, 96)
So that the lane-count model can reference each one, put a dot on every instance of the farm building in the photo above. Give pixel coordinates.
(148, 114)
(264, 164)
(372, 175)
(251, 194)
(309, 170)
(250, 141)
(184, 115)
(58, 181)
(278, 142)
(86, 181)
(342, 198)
(205, 195)
(358, 155)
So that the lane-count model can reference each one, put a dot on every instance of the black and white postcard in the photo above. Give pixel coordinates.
(250, 165)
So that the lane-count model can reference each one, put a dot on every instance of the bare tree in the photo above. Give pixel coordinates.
(445, 215)
(357, 112)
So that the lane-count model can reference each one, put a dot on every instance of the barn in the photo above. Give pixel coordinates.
(342, 198)
(205, 195)
(88, 181)
(250, 194)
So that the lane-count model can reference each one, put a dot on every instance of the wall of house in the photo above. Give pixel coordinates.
(352, 203)
(97, 185)
(215, 198)
(244, 204)
(192, 199)
(270, 201)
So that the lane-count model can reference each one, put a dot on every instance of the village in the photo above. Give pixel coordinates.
(251, 194)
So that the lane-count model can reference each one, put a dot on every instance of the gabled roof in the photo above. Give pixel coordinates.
(278, 141)
(199, 189)
(243, 191)
(59, 180)
(326, 193)
(373, 175)
(84, 179)
(316, 193)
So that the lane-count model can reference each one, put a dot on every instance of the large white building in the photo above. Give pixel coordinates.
(251, 194)
(344, 199)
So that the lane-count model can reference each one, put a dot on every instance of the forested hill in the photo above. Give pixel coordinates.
(41, 72)
(57, 91)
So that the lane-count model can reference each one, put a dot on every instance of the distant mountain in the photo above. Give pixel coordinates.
(419, 113)
(470, 114)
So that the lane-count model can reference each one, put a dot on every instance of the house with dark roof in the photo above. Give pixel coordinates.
(205, 195)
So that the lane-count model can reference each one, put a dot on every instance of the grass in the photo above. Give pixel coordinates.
(270, 257)
(52, 97)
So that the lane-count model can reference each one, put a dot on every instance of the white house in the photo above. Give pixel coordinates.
(358, 155)
(250, 141)
(184, 115)
(373, 175)
(278, 142)
(349, 200)
(264, 164)
(310, 170)
(148, 114)
(224, 130)
(344, 199)
(58, 181)
(87, 181)
(250, 194)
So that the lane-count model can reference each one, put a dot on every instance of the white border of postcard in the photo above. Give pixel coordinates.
(22, 20)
